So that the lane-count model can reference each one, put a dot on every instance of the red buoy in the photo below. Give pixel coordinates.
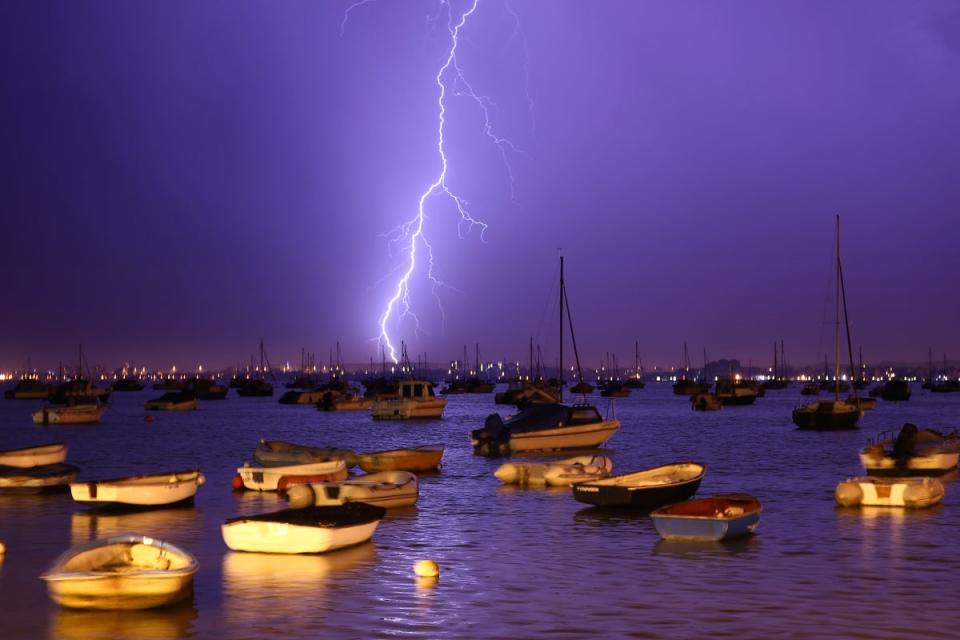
(148, 418)
(237, 483)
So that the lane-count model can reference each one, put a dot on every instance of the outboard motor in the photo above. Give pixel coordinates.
(904, 446)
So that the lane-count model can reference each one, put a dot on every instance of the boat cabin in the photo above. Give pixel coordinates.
(414, 389)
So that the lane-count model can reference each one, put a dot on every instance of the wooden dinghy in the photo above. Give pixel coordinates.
(912, 493)
(558, 473)
(308, 530)
(155, 490)
(34, 456)
(708, 519)
(643, 490)
(41, 479)
(387, 489)
(277, 453)
(83, 413)
(123, 572)
(267, 478)
(173, 401)
(424, 458)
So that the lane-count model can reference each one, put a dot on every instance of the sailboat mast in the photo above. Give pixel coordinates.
(560, 394)
(836, 365)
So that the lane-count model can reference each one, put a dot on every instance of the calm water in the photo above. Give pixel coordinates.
(515, 563)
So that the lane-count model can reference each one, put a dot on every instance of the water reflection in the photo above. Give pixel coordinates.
(267, 590)
(165, 524)
(510, 489)
(151, 624)
(691, 549)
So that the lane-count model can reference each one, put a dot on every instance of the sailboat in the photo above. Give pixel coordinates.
(836, 414)
(686, 386)
(635, 380)
(946, 385)
(547, 426)
(255, 387)
(778, 380)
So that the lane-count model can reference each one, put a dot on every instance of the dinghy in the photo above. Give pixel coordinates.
(277, 453)
(41, 479)
(156, 490)
(913, 452)
(123, 572)
(643, 490)
(559, 473)
(708, 519)
(912, 493)
(173, 401)
(424, 458)
(79, 412)
(308, 530)
(387, 489)
(267, 478)
(34, 456)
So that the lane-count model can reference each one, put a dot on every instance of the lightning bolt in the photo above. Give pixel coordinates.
(410, 235)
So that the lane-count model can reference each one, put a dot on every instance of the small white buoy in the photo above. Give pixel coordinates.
(426, 569)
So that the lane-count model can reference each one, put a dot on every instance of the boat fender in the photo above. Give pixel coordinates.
(237, 483)
(300, 496)
(923, 495)
(848, 494)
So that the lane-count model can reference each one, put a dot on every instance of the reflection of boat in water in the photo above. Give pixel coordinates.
(913, 452)
(123, 572)
(165, 523)
(147, 624)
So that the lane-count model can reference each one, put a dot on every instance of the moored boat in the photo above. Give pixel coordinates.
(267, 478)
(826, 415)
(40, 479)
(810, 389)
(558, 473)
(416, 459)
(544, 427)
(736, 392)
(912, 493)
(705, 402)
(308, 530)
(708, 519)
(206, 389)
(913, 452)
(122, 572)
(127, 384)
(861, 403)
(643, 490)
(277, 453)
(29, 389)
(896, 391)
(415, 399)
(173, 401)
(387, 489)
(34, 456)
(77, 411)
(154, 490)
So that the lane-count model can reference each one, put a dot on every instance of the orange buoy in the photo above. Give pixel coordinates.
(237, 483)
(148, 418)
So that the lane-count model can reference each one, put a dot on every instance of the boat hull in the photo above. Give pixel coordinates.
(309, 530)
(42, 479)
(160, 490)
(34, 456)
(641, 499)
(183, 405)
(708, 519)
(580, 436)
(406, 409)
(810, 419)
(932, 464)
(389, 489)
(276, 453)
(416, 460)
(267, 478)
(68, 415)
(912, 493)
(127, 588)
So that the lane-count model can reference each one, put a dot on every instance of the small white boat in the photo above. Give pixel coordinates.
(308, 530)
(559, 473)
(387, 489)
(41, 479)
(70, 414)
(913, 493)
(34, 456)
(267, 478)
(414, 399)
(123, 572)
(543, 427)
(155, 490)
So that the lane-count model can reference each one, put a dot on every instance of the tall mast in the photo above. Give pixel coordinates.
(774, 359)
(560, 395)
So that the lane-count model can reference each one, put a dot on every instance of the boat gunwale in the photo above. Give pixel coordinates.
(197, 471)
(52, 575)
(611, 481)
(663, 512)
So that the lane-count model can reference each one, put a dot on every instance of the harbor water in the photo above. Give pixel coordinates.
(515, 563)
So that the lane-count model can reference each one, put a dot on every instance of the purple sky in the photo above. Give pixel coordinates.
(179, 179)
